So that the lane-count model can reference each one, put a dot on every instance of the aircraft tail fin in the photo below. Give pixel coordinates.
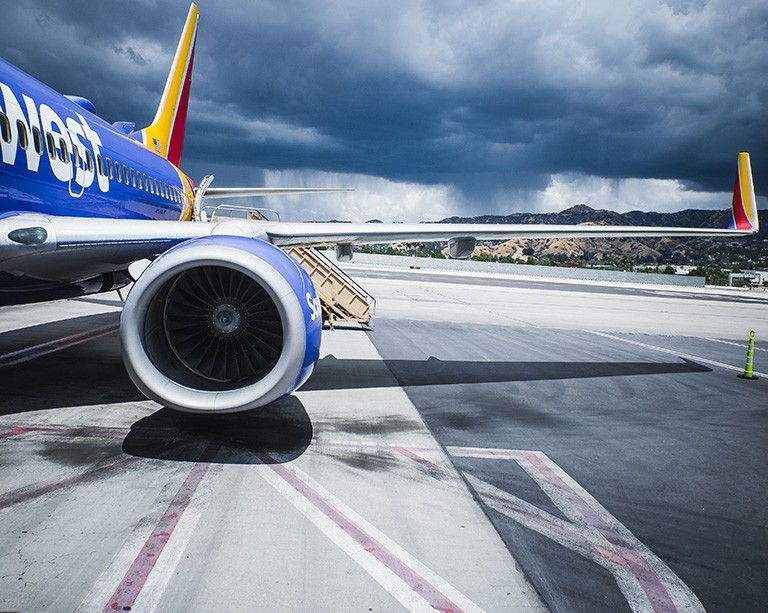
(165, 135)
(744, 207)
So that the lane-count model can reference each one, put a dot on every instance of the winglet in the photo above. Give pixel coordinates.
(744, 208)
(165, 135)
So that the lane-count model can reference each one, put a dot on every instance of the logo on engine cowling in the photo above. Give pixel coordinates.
(315, 309)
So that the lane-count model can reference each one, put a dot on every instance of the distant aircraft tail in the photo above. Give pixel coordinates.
(165, 134)
(744, 208)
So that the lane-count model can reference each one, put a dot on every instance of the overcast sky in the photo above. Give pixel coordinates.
(432, 109)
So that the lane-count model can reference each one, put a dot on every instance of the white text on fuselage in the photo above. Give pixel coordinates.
(74, 131)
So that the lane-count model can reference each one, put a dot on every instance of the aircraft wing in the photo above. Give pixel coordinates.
(70, 247)
(316, 234)
(744, 221)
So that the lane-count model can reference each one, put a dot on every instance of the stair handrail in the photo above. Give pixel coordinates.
(347, 279)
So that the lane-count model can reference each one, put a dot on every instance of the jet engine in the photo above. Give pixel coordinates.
(221, 324)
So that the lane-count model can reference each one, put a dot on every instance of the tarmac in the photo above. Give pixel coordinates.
(491, 444)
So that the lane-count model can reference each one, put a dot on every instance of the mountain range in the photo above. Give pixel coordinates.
(745, 252)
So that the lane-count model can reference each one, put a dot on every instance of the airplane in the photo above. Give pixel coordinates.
(222, 319)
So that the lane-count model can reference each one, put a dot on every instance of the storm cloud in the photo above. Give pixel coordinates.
(433, 108)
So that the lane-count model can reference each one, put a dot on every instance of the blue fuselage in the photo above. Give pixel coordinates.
(60, 159)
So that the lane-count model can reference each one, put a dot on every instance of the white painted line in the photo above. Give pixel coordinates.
(321, 443)
(157, 582)
(687, 356)
(104, 586)
(415, 586)
(37, 351)
(744, 344)
(144, 574)
(647, 583)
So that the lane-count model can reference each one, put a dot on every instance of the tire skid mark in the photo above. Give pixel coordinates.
(31, 492)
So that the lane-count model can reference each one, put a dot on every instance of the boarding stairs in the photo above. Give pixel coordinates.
(339, 294)
(341, 297)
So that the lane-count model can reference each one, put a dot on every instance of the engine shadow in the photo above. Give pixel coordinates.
(277, 433)
(333, 374)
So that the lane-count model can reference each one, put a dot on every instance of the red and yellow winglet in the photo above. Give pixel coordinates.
(165, 135)
(744, 208)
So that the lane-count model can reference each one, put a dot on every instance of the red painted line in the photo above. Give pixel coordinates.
(433, 469)
(565, 531)
(15, 431)
(136, 576)
(36, 351)
(647, 578)
(409, 453)
(625, 555)
(29, 493)
(656, 593)
(575, 501)
(436, 599)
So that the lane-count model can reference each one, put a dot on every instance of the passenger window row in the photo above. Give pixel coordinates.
(120, 172)
(5, 133)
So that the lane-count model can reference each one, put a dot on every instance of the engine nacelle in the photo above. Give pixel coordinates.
(221, 324)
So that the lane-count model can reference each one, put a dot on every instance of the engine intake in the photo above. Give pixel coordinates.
(215, 328)
(221, 324)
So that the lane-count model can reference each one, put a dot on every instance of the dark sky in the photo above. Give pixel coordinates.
(433, 108)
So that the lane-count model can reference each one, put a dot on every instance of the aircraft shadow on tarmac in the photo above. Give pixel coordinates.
(81, 375)
(96, 375)
(332, 373)
(279, 432)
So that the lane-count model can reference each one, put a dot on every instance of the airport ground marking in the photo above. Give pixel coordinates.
(163, 569)
(418, 454)
(66, 431)
(735, 344)
(413, 584)
(8, 432)
(135, 578)
(105, 584)
(419, 459)
(647, 583)
(27, 493)
(36, 351)
(432, 468)
(685, 356)
(326, 444)
(149, 598)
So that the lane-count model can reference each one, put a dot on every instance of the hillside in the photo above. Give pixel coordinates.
(745, 252)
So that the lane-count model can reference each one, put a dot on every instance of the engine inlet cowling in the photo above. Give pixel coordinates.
(220, 324)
